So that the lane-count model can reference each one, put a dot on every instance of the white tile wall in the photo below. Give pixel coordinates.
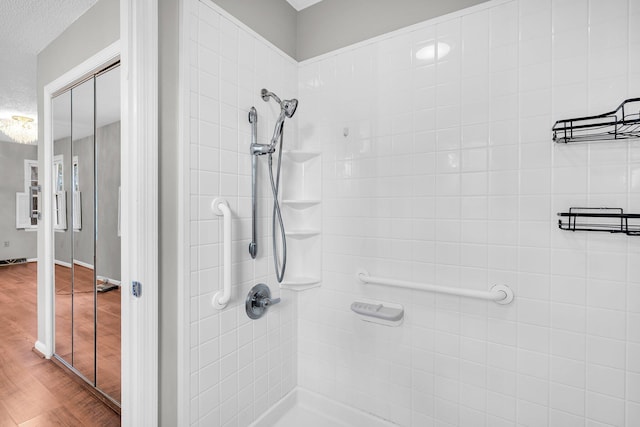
(239, 367)
(448, 175)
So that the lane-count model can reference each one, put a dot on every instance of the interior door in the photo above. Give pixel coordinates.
(63, 284)
(83, 214)
(108, 245)
(87, 184)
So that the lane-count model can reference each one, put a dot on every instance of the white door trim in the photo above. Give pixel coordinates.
(46, 338)
(187, 8)
(139, 70)
(138, 50)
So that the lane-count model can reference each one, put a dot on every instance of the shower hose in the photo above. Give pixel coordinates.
(275, 187)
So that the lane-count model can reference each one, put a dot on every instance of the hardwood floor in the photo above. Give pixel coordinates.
(106, 353)
(34, 391)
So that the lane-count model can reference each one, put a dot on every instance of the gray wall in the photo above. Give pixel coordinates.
(108, 244)
(22, 244)
(169, 141)
(98, 28)
(332, 24)
(275, 20)
(83, 241)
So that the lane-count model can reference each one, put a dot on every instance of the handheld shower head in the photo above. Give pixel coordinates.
(287, 110)
(289, 107)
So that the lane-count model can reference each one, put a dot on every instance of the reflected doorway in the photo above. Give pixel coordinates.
(86, 222)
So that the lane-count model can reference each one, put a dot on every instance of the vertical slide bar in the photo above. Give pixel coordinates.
(253, 246)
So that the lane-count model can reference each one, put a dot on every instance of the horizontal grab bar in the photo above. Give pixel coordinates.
(499, 293)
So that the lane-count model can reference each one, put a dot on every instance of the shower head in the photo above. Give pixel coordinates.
(288, 106)
(287, 110)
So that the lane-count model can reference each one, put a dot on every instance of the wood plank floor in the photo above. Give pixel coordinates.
(107, 333)
(34, 391)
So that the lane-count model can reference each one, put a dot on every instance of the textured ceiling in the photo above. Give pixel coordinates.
(27, 27)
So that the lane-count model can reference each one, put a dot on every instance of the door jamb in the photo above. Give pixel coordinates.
(138, 50)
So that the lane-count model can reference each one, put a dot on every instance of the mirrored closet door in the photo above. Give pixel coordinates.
(87, 230)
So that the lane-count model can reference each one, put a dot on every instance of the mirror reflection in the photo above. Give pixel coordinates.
(87, 230)
(108, 232)
(61, 112)
(83, 235)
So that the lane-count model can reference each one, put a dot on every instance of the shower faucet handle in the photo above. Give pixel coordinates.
(259, 300)
(266, 302)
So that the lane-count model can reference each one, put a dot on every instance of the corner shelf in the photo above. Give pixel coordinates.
(622, 123)
(302, 234)
(300, 283)
(300, 204)
(301, 201)
(610, 220)
(301, 155)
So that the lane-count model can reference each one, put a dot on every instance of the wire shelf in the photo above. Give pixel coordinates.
(610, 220)
(622, 123)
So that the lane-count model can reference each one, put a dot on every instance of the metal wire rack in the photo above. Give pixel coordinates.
(610, 220)
(622, 123)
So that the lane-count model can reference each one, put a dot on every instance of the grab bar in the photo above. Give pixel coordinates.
(500, 294)
(221, 208)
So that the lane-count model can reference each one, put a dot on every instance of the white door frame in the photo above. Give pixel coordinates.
(139, 37)
(138, 51)
(46, 345)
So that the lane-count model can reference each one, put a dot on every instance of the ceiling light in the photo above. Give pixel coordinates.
(20, 128)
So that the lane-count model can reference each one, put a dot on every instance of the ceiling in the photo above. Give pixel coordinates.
(302, 4)
(27, 27)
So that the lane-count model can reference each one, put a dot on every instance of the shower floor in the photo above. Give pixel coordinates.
(302, 407)
(301, 416)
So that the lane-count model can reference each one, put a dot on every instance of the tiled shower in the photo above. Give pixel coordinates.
(426, 155)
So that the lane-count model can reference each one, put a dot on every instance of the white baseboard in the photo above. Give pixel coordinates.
(83, 264)
(62, 263)
(90, 267)
(76, 262)
(108, 279)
